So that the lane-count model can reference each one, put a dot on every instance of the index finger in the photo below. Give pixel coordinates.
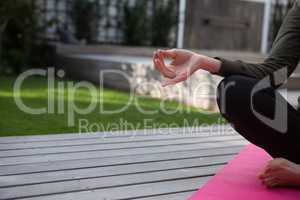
(171, 53)
(160, 66)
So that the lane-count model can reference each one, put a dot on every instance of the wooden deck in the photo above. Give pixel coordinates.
(144, 165)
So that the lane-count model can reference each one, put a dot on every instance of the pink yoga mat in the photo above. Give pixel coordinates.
(238, 180)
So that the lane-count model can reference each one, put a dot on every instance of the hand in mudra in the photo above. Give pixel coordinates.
(184, 64)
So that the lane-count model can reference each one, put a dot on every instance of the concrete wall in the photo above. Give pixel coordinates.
(87, 62)
(139, 76)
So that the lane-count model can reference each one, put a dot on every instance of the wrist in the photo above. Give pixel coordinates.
(209, 64)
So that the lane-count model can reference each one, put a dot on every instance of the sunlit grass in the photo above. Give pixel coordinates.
(34, 93)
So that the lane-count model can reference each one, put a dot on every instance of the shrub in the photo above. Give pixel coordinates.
(20, 30)
(85, 15)
(164, 19)
(136, 23)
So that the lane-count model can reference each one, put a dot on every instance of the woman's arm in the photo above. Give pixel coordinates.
(284, 53)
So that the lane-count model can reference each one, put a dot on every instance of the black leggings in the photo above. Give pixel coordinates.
(236, 103)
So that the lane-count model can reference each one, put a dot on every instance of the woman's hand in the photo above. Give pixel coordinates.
(184, 64)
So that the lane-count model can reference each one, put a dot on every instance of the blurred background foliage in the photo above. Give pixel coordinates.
(85, 15)
(23, 40)
(136, 26)
(143, 28)
(164, 19)
(20, 35)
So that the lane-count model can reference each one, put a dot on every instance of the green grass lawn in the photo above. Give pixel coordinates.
(34, 93)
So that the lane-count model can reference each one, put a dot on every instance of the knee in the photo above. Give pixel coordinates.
(231, 94)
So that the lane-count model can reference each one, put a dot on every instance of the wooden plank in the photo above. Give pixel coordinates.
(105, 147)
(144, 166)
(209, 130)
(37, 178)
(111, 153)
(112, 161)
(173, 196)
(132, 191)
(105, 182)
(100, 140)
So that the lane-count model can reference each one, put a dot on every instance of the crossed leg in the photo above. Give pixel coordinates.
(237, 104)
